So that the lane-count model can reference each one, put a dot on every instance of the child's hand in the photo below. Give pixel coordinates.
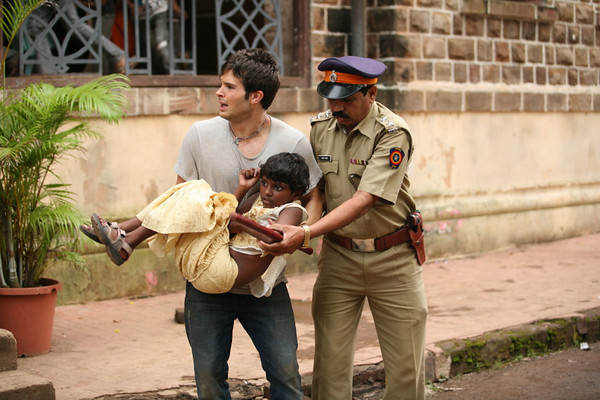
(249, 177)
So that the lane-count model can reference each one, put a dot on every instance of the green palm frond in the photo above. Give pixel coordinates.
(12, 16)
(41, 126)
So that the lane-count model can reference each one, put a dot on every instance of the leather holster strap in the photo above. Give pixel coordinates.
(371, 245)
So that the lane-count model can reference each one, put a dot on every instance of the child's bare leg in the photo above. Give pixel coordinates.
(250, 267)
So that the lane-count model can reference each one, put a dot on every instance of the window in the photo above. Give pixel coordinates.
(160, 42)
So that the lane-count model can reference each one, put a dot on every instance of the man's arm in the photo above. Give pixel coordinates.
(345, 213)
(313, 203)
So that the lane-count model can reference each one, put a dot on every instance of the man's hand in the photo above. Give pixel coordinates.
(293, 237)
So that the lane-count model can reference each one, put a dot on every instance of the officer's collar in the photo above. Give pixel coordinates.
(366, 127)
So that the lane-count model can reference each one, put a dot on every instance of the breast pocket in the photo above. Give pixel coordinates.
(332, 178)
(355, 173)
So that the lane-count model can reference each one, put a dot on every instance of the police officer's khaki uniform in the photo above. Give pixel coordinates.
(373, 157)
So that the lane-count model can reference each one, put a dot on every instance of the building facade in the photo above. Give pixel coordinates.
(502, 97)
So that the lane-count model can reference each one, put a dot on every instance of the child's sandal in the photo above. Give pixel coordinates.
(113, 246)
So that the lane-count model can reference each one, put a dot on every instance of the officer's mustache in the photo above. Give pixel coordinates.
(340, 114)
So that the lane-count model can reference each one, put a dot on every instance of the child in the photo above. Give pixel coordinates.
(193, 220)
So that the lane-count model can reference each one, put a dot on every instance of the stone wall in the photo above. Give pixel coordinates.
(475, 55)
(502, 99)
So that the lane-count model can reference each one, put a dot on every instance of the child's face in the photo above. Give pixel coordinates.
(275, 194)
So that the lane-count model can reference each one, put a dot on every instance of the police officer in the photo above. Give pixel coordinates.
(373, 246)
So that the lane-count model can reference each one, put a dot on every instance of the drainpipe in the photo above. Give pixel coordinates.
(357, 14)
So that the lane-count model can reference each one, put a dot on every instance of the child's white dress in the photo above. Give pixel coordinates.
(192, 220)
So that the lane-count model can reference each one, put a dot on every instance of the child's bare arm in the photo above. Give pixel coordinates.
(247, 179)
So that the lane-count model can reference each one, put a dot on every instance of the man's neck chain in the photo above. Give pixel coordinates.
(238, 139)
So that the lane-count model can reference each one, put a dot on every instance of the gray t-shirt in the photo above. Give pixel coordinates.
(208, 153)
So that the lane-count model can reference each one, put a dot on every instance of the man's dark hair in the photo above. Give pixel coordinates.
(258, 70)
(287, 168)
(366, 89)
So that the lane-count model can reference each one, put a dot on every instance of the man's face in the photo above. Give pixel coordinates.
(233, 105)
(353, 109)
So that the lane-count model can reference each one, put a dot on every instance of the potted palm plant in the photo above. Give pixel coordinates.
(41, 125)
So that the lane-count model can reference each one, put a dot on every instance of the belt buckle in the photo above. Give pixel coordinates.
(363, 245)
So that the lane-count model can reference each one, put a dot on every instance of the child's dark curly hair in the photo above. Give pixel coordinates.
(287, 168)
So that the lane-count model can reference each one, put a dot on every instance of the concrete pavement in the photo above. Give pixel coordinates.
(134, 345)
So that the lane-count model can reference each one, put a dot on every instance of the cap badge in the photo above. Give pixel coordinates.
(333, 76)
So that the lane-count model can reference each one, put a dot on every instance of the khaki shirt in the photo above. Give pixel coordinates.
(373, 158)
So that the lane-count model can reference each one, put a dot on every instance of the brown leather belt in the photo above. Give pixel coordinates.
(371, 245)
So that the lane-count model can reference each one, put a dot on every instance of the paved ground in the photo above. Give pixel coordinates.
(134, 345)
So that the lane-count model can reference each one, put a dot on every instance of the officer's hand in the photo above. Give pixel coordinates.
(293, 237)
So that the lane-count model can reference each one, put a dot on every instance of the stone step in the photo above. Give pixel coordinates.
(18, 385)
(8, 351)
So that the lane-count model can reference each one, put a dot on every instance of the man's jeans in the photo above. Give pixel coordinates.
(269, 321)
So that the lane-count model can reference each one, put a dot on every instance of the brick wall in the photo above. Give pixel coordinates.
(474, 55)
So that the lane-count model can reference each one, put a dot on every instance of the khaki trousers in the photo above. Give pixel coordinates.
(392, 282)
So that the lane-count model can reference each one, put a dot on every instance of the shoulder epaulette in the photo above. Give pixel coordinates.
(389, 125)
(322, 116)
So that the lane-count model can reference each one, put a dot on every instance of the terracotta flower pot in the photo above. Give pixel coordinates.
(29, 314)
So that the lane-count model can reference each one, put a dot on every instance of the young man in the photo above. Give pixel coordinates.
(373, 236)
(242, 137)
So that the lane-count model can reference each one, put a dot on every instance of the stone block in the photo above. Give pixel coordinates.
(434, 47)
(17, 385)
(502, 51)
(517, 52)
(565, 11)
(484, 50)
(541, 75)
(419, 21)
(182, 100)
(494, 28)
(517, 10)
(424, 71)
(443, 101)
(507, 101)
(584, 13)
(535, 53)
(580, 102)
(572, 77)
(441, 23)
(533, 102)
(564, 55)
(491, 73)
(581, 57)
(337, 20)
(589, 77)
(443, 71)
(478, 101)
(474, 26)
(557, 76)
(573, 35)
(410, 101)
(461, 49)
(8, 351)
(385, 20)
(511, 29)
(511, 74)
(528, 30)
(474, 73)
(527, 75)
(460, 73)
(474, 7)
(557, 102)
(328, 45)
(559, 33)
(544, 32)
